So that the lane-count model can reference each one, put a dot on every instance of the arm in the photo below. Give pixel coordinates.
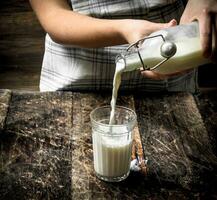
(68, 27)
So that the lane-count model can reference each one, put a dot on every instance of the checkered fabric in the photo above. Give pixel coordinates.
(92, 69)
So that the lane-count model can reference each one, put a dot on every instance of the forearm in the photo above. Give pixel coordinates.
(85, 31)
(68, 27)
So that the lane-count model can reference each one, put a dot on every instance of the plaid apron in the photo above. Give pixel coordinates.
(92, 69)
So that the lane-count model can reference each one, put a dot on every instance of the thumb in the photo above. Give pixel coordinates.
(172, 22)
(159, 26)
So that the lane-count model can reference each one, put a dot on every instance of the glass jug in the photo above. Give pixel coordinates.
(169, 50)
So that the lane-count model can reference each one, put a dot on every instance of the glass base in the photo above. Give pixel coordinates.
(112, 179)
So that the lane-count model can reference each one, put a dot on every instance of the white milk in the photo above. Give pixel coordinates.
(120, 66)
(188, 55)
(111, 155)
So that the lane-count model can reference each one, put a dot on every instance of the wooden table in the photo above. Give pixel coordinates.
(46, 146)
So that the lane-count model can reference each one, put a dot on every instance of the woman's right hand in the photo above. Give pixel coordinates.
(133, 30)
(138, 29)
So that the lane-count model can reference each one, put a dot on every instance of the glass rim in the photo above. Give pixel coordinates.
(113, 125)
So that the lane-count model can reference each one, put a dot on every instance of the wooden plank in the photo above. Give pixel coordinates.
(20, 23)
(20, 79)
(5, 96)
(207, 104)
(21, 46)
(36, 147)
(14, 6)
(46, 149)
(176, 142)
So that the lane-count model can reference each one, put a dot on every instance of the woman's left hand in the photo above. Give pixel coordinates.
(205, 11)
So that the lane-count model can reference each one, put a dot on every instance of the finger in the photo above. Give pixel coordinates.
(206, 33)
(172, 22)
(159, 26)
(157, 76)
(214, 34)
(153, 75)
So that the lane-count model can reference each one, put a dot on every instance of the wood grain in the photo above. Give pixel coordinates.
(176, 142)
(21, 46)
(46, 148)
(5, 97)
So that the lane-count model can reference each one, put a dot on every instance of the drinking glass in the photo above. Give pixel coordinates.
(112, 144)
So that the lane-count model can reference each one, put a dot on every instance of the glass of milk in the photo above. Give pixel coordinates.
(112, 144)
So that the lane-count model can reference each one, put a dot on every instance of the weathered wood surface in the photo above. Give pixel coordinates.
(5, 96)
(46, 149)
(36, 147)
(176, 141)
(207, 105)
(21, 46)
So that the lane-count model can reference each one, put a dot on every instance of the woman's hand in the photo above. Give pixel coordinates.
(142, 28)
(133, 30)
(205, 11)
(157, 76)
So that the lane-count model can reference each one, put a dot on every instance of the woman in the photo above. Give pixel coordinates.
(84, 37)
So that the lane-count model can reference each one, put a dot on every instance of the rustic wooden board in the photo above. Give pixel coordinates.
(5, 96)
(21, 46)
(36, 148)
(176, 141)
(207, 105)
(46, 149)
(14, 6)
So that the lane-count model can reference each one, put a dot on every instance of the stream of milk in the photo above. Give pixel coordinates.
(120, 66)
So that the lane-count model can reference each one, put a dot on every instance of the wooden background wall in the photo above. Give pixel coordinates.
(22, 46)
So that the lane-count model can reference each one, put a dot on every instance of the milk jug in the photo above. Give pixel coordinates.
(169, 50)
